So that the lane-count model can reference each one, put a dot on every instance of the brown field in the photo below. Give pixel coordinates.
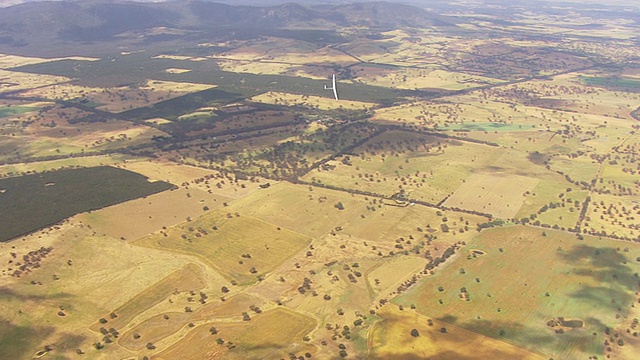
(500, 195)
(312, 212)
(232, 307)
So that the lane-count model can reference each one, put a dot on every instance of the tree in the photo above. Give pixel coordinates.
(415, 333)
(339, 206)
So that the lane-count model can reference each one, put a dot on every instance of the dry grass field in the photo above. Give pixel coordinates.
(286, 51)
(8, 61)
(309, 101)
(485, 207)
(412, 78)
(512, 295)
(15, 81)
(137, 218)
(500, 195)
(391, 338)
(265, 336)
(116, 99)
(241, 247)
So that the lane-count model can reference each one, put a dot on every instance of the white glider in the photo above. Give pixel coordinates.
(333, 87)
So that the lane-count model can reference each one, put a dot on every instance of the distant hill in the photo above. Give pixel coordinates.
(51, 23)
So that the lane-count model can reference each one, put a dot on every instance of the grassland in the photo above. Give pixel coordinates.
(391, 338)
(477, 182)
(6, 111)
(221, 239)
(264, 337)
(117, 99)
(486, 193)
(512, 294)
(323, 103)
(188, 278)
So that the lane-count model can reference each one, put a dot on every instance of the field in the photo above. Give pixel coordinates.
(391, 338)
(117, 99)
(317, 102)
(486, 193)
(512, 294)
(31, 202)
(223, 239)
(263, 338)
(176, 182)
(6, 111)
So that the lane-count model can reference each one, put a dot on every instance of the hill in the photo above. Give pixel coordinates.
(46, 26)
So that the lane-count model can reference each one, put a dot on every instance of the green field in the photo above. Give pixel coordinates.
(611, 81)
(524, 279)
(6, 111)
(31, 202)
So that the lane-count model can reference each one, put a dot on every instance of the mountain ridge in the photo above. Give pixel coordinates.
(64, 22)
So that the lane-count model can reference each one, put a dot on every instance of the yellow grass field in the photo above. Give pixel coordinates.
(234, 235)
(498, 194)
(263, 337)
(187, 278)
(272, 68)
(613, 215)
(13, 80)
(286, 51)
(386, 277)
(88, 161)
(180, 57)
(253, 67)
(9, 61)
(177, 71)
(412, 78)
(134, 219)
(117, 99)
(391, 339)
(158, 121)
(310, 101)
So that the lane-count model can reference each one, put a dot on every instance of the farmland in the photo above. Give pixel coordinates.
(591, 280)
(86, 189)
(177, 182)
